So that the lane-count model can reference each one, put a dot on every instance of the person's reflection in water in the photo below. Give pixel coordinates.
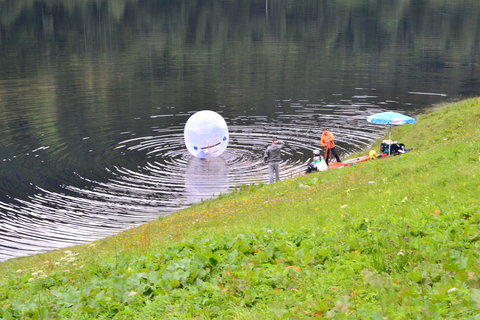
(206, 178)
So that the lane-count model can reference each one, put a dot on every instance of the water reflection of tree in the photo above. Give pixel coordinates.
(94, 21)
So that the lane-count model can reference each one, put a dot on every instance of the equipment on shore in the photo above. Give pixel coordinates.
(387, 148)
(390, 118)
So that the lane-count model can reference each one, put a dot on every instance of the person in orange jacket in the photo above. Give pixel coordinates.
(328, 142)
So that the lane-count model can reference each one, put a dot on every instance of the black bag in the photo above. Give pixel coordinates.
(385, 147)
(394, 148)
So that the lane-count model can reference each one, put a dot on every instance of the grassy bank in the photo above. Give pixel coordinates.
(396, 238)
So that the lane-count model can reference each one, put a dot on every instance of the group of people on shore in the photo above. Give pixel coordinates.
(272, 156)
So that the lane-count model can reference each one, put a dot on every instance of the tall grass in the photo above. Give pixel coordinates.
(394, 238)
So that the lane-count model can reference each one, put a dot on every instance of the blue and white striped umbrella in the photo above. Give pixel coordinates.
(390, 117)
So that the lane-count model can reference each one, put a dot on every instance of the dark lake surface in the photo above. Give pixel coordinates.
(94, 96)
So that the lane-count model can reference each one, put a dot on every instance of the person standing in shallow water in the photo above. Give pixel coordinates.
(327, 141)
(272, 157)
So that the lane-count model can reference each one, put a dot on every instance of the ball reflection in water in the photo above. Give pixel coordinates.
(206, 178)
(206, 134)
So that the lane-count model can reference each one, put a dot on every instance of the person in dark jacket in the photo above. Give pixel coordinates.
(272, 157)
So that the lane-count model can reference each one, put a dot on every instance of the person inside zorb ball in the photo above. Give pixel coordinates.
(206, 134)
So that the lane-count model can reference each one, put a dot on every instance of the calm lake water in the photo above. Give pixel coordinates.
(94, 96)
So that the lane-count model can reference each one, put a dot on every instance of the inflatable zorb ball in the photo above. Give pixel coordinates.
(206, 134)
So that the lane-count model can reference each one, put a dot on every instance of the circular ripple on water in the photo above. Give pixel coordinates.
(168, 178)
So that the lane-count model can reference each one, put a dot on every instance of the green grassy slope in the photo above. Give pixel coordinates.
(395, 238)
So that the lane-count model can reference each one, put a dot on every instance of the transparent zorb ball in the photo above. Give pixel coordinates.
(206, 134)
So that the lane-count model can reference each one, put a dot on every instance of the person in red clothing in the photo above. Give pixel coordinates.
(327, 141)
